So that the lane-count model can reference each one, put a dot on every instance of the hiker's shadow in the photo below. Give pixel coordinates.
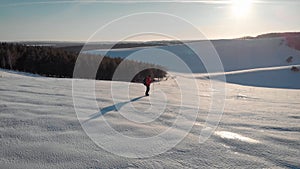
(114, 107)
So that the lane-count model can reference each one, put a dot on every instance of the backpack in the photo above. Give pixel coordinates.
(144, 81)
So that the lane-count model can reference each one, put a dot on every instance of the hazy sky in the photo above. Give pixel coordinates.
(77, 20)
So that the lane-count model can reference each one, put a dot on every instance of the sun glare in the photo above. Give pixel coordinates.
(241, 7)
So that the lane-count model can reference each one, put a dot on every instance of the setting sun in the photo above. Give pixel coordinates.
(241, 7)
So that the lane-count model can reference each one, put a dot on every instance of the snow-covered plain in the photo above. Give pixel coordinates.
(260, 127)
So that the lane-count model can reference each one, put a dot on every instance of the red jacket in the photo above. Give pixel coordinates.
(148, 81)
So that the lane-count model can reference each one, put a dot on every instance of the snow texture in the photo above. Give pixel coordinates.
(260, 127)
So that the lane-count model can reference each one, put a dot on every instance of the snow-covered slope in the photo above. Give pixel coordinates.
(260, 127)
(234, 54)
(238, 55)
(257, 53)
(272, 77)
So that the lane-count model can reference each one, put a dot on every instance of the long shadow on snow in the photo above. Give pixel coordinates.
(113, 107)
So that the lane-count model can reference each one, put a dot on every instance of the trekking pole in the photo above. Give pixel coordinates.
(153, 88)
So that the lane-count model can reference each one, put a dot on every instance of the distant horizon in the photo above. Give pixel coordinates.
(146, 41)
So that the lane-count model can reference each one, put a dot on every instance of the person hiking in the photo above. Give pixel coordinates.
(147, 82)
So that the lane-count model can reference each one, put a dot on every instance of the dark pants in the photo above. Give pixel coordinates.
(147, 90)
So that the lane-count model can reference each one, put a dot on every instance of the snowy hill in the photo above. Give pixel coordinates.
(39, 128)
(239, 55)
(258, 53)
(46, 124)
(271, 77)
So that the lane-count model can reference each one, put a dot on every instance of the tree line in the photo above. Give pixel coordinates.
(57, 62)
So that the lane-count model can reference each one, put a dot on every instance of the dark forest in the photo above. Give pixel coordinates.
(57, 62)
